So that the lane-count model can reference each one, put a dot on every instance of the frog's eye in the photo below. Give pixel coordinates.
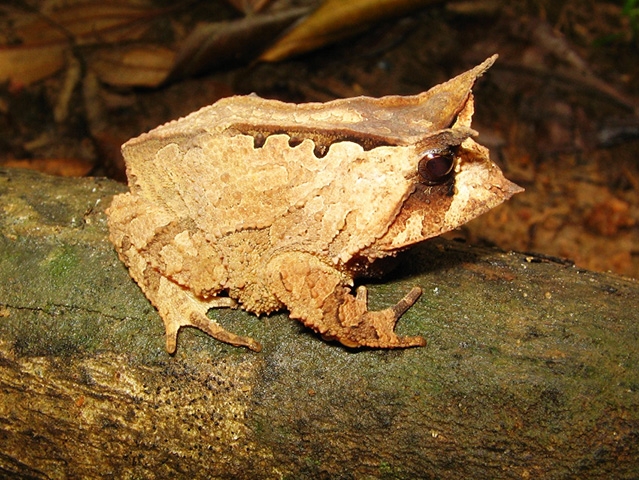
(436, 167)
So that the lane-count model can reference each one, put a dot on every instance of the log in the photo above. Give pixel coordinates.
(531, 367)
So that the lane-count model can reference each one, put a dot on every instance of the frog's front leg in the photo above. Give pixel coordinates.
(315, 294)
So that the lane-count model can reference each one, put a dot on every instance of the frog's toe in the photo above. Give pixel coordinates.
(215, 330)
(180, 308)
(363, 328)
(211, 327)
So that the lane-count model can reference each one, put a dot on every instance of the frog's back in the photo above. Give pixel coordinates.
(227, 181)
(309, 172)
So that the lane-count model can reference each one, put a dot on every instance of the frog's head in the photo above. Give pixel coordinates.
(454, 182)
(453, 179)
(411, 168)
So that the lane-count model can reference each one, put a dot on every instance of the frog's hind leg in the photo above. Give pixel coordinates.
(317, 295)
(180, 308)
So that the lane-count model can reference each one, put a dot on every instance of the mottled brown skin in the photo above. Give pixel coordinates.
(266, 205)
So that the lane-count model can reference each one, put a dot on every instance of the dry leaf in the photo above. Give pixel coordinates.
(336, 20)
(249, 7)
(224, 43)
(44, 39)
(86, 23)
(25, 65)
(141, 65)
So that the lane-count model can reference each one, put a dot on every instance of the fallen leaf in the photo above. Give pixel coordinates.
(40, 41)
(249, 7)
(25, 65)
(85, 23)
(138, 65)
(335, 20)
(221, 44)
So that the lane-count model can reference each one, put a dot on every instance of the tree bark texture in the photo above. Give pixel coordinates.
(531, 368)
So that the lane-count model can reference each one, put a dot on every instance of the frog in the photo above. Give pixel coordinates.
(265, 205)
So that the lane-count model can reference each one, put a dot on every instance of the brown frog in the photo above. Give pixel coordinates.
(267, 205)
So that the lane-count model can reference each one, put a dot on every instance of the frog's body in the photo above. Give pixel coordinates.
(268, 205)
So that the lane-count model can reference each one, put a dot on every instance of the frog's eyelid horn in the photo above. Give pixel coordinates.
(442, 140)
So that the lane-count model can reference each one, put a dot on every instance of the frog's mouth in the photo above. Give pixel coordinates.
(422, 216)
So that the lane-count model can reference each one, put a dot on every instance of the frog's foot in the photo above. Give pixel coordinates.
(180, 308)
(316, 294)
(363, 328)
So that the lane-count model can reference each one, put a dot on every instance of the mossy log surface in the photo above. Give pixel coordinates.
(531, 368)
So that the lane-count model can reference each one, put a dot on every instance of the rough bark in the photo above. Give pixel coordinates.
(531, 370)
